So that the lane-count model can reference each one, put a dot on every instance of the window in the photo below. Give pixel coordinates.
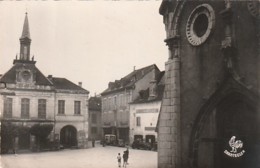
(93, 130)
(115, 101)
(61, 106)
(76, 107)
(120, 100)
(138, 121)
(8, 107)
(94, 118)
(25, 108)
(128, 98)
(200, 24)
(109, 103)
(104, 104)
(42, 108)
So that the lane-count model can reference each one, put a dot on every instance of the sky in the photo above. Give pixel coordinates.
(93, 42)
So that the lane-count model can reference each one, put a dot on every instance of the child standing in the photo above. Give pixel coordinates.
(119, 160)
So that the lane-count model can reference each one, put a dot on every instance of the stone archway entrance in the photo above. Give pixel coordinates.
(212, 142)
(68, 136)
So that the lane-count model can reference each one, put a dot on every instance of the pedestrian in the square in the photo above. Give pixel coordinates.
(119, 160)
(104, 142)
(93, 142)
(125, 159)
(127, 155)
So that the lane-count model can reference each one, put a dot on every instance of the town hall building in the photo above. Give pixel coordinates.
(39, 112)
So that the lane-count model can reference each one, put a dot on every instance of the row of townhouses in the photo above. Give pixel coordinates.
(131, 105)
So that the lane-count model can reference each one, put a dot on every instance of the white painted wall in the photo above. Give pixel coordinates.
(148, 112)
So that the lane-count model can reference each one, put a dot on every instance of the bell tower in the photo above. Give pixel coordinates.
(25, 41)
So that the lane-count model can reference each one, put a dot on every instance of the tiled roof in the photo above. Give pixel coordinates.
(10, 76)
(129, 80)
(94, 103)
(144, 94)
(58, 83)
(65, 84)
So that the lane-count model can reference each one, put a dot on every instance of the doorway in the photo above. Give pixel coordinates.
(68, 136)
(24, 140)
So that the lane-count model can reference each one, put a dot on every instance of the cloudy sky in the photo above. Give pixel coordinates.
(89, 41)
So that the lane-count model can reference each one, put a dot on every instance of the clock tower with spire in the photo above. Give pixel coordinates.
(25, 41)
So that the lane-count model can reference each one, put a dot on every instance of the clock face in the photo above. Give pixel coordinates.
(26, 75)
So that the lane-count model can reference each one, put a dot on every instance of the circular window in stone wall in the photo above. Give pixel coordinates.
(200, 24)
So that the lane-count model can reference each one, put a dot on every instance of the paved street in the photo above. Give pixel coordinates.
(98, 157)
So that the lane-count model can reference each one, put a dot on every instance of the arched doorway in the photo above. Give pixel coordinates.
(228, 113)
(68, 136)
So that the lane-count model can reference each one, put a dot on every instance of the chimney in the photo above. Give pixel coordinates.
(50, 77)
(111, 85)
(80, 84)
(134, 68)
(153, 85)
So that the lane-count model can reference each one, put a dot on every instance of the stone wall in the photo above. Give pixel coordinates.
(229, 53)
(169, 124)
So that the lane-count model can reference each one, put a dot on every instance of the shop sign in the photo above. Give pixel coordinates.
(235, 145)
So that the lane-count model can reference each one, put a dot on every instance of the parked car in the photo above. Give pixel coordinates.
(139, 144)
(110, 139)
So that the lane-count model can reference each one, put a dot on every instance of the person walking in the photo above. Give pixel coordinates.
(119, 160)
(125, 159)
(93, 142)
(127, 155)
(104, 142)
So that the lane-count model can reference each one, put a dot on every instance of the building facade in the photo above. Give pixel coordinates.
(210, 109)
(39, 112)
(116, 99)
(144, 111)
(94, 119)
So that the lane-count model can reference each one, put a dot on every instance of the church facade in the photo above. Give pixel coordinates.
(39, 112)
(210, 110)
